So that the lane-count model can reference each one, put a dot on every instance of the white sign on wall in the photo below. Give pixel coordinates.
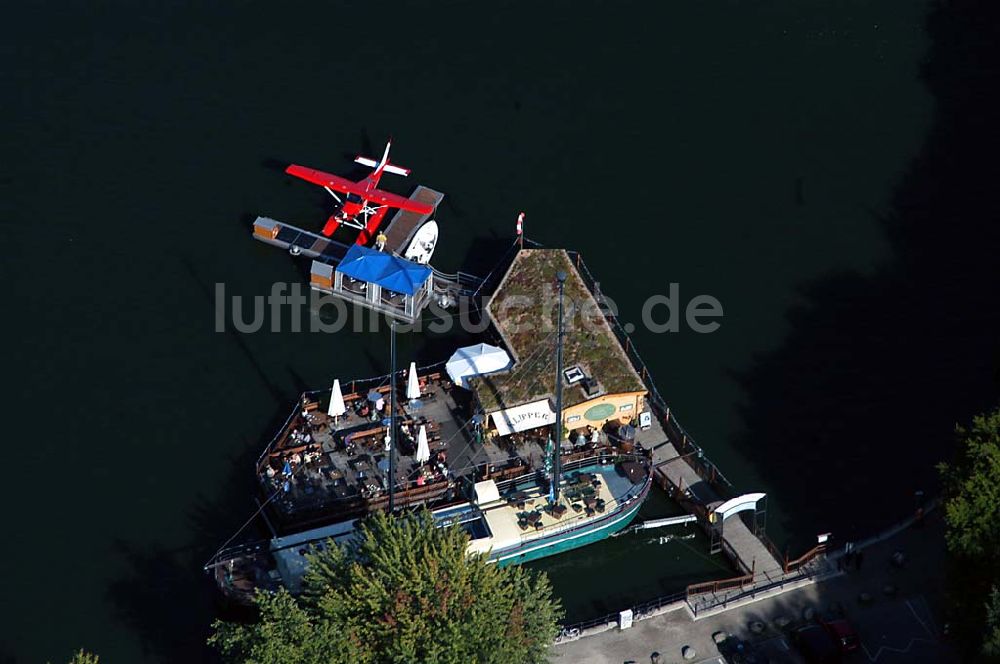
(523, 418)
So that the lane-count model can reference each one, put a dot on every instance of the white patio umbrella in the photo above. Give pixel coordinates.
(423, 450)
(412, 384)
(337, 407)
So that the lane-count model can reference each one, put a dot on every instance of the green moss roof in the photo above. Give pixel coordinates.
(524, 311)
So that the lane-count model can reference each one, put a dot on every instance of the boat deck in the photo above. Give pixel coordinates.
(404, 223)
(318, 463)
(344, 460)
(527, 515)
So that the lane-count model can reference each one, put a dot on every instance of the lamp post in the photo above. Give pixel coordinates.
(392, 413)
(556, 461)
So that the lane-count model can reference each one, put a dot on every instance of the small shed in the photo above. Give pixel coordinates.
(381, 281)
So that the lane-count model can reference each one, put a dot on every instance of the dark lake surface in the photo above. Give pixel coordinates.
(783, 157)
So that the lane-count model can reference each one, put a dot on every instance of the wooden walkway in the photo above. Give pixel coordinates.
(298, 241)
(673, 471)
(404, 224)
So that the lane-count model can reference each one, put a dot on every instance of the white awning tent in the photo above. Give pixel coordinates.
(476, 361)
(522, 418)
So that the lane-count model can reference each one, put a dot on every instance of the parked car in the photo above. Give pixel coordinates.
(737, 651)
(843, 633)
(816, 645)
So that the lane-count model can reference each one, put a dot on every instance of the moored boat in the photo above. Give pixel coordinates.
(481, 444)
(421, 247)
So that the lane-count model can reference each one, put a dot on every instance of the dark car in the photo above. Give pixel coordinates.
(737, 651)
(843, 633)
(816, 645)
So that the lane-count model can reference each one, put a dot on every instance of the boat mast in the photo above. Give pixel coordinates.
(557, 462)
(392, 413)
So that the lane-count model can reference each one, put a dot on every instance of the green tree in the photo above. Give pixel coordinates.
(84, 657)
(991, 646)
(972, 517)
(404, 591)
(972, 489)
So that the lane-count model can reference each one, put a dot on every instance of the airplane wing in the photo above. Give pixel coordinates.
(336, 182)
(401, 202)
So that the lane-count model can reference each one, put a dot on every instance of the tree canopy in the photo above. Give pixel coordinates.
(403, 591)
(972, 489)
(972, 516)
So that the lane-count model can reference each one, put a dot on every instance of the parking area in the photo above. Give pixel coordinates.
(895, 632)
(900, 631)
(887, 603)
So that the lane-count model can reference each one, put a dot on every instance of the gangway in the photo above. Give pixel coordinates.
(659, 523)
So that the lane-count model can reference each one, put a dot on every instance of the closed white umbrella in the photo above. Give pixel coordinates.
(423, 449)
(412, 384)
(337, 407)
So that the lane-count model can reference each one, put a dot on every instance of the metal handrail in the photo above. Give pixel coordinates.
(632, 353)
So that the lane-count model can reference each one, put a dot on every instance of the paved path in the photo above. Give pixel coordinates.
(894, 629)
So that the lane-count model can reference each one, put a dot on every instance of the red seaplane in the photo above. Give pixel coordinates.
(357, 209)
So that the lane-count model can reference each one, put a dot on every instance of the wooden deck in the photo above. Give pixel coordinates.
(671, 469)
(404, 224)
(299, 241)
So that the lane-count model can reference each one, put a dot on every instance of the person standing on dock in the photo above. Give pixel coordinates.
(380, 241)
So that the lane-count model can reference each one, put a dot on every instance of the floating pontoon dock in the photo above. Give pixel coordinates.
(299, 242)
(327, 254)
(404, 223)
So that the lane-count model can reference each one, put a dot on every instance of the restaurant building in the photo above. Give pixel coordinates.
(601, 389)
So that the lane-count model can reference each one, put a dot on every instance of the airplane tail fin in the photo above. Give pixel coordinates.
(383, 164)
(388, 168)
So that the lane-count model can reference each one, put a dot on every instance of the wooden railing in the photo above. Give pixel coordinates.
(793, 565)
(720, 585)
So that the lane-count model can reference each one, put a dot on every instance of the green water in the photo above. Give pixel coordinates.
(740, 149)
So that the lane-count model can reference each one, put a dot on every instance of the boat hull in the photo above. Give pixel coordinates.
(421, 247)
